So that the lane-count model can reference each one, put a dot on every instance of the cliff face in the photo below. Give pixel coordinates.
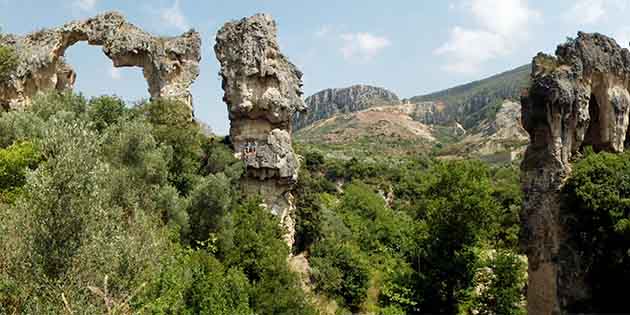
(263, 90)
(478, 120)
(329, 102)
(170, 65)
(471, 103)
(579, 97)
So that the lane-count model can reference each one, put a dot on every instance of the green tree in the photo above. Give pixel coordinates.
(15, 161)
(456, 211)
(67, 232)
(8, 61)
(104, 111)
(45, 105)
(194, 282)
(20, 126)
(208, 204)
(257, 248)
(340, 270)
(597, 212)
(498, 284)
(173, 126)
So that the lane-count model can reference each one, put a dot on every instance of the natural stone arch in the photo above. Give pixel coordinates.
(169, 64)
(579, 97)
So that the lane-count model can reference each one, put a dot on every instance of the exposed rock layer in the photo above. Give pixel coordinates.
(329, 102)
(470, 103)
(170, 65)
(579, 97)
(263, 90)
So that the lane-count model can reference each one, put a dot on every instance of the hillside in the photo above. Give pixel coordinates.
(479, 119)
(329, 102)
(472, 102)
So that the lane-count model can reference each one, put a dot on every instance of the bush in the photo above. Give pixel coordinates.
(597, 210)
(45, 105)
(8, 62)
(67, 232)
(194, 282)
(208, 204)
(339, 270)
(498, 285)
(104, 111)
(172, 125)
(15, 161)
(20, 126)
(253, 243)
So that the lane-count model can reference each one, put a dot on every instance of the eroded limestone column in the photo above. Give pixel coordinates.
(263, 90)
(578, 97)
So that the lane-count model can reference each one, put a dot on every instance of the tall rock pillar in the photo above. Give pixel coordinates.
(580, 97)
(263, 90)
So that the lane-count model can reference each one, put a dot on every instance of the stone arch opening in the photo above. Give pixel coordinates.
(94, 74)
(169, 64)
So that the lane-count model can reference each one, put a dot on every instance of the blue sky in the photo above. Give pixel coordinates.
(411, 47)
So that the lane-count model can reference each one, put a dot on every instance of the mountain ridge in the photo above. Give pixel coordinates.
(480, 118)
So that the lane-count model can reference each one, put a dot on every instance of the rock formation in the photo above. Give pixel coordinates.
(579, 97)
(329, 102)
(470, 103)
(170, 65)
(263, 90)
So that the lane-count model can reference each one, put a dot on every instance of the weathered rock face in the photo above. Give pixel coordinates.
(579, 97)
(263, 90)
(170, 65)
(329, 102)
(470, 103)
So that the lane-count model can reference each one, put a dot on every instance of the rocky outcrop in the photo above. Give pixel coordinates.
(471, 103)
(579, 97)
(263, 90)
(329, 102)
(170, 65)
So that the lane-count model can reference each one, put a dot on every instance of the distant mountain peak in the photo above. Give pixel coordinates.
(329, 102)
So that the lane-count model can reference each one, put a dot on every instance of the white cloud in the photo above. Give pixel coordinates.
(362, 46)
(115, 74)
(469, 49)
(622, 37)
(502, 25)
(586, 12)
(505, 17)
(323, 31)
(85, 5)
(174, 17)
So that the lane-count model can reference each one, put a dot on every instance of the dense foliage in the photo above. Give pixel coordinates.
(597, 201)
(114, 210)
(8, 61)
(119, 210)
(412, 236)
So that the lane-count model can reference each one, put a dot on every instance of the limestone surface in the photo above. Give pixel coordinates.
(579, 97)
(169, 64)
(262, 90)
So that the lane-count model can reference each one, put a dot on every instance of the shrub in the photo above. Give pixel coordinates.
(8, 62)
